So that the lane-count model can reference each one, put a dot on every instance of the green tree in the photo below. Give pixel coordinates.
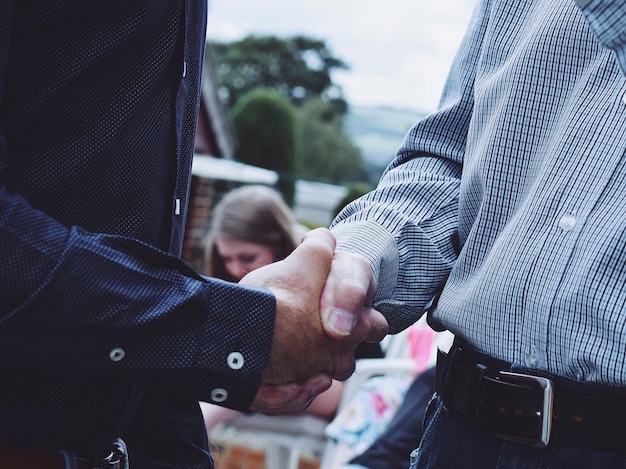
(299, 67)
(326, 153)
(266, 126)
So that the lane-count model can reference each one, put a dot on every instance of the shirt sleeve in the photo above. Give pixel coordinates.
(407, 227)
(74, 300)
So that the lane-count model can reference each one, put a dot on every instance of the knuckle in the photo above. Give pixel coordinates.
(353, 291)
(346, 369)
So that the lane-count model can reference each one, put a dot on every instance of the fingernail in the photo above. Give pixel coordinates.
(321, 387)
(341, 321)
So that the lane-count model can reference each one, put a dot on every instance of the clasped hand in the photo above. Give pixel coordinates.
(322, 313)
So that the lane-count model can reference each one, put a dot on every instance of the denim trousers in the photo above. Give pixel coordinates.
(451, 441)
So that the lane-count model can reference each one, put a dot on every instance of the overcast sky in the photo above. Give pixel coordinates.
(398, 51)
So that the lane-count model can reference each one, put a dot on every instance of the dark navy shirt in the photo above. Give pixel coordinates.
(103, 330)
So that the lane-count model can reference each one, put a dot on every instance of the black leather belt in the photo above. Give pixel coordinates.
(530, 408)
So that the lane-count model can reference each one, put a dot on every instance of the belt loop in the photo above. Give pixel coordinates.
(451, 355)
(477, 376)
(443, 385)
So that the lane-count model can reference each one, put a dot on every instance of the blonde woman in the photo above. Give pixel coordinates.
(252, 226)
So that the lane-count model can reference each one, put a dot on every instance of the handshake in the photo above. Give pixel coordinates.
(322, 313)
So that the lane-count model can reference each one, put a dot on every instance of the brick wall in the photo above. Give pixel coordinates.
(201, 199)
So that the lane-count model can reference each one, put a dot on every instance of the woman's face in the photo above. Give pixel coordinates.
(241, 257)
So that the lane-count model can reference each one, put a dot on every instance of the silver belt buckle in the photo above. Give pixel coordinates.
(545, 387)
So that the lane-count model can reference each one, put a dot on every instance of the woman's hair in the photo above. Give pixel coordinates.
(254, 214)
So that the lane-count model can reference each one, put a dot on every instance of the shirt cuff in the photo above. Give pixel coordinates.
(237, 342)
(377, 245)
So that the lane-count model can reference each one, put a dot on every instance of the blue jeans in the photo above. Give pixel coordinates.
(451, 441)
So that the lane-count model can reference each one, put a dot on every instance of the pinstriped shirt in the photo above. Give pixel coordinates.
(509, 200)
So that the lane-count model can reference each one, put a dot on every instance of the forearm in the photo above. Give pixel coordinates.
(411, 263)
(85, 295)
(407, 226)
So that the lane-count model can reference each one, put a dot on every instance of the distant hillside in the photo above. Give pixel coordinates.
(379, 131)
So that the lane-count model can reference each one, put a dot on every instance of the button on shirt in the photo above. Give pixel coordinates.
(104, 332)
(510, 197)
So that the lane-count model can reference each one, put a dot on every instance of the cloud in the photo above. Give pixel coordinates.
(398, 51)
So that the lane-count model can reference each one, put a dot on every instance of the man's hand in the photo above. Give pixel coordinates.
(350, 288)
(309, 347)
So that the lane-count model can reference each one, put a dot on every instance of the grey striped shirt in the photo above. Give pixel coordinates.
(511, 197)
